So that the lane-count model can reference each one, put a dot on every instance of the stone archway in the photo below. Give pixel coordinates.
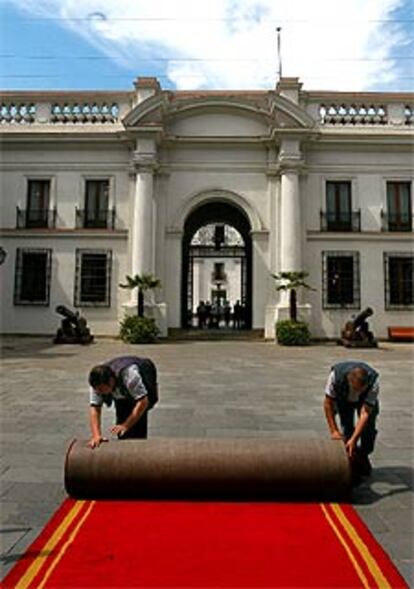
(220, 212)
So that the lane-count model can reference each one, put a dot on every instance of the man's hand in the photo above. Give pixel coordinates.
(119, 430)
(95, 442)
(336, 435)
(350, 447)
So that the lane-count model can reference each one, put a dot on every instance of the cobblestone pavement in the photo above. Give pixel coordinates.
(215, 389)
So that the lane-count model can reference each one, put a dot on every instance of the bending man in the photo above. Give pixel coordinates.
(353, 388)
(131, 383)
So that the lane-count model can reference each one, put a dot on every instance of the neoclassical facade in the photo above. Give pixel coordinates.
(97, 185)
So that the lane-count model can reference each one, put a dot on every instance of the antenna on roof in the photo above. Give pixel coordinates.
(279, 51)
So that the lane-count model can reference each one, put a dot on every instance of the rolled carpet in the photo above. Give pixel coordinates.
(236, 469)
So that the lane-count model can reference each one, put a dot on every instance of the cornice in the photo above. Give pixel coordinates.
(64, 233)
(354, 237)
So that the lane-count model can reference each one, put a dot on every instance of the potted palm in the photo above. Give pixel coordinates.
(292, 332)
(138, 328)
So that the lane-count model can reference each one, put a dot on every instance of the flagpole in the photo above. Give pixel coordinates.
(279, 51)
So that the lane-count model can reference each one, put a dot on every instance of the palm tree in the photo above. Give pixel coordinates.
(142, 282)
(291, 281)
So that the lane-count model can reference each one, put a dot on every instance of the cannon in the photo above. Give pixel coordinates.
(73, 329)
(356, 333)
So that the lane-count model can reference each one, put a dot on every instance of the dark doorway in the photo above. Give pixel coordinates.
(222, 215)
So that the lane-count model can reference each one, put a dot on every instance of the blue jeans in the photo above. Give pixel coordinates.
(346, 412)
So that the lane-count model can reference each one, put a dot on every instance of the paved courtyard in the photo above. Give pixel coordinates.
(214, 389)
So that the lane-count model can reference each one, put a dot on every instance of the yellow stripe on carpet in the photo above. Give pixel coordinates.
(346, 547)
(62, 551)
(57, 535)
(362, 548)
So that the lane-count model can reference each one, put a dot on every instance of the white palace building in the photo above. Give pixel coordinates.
(211, 192)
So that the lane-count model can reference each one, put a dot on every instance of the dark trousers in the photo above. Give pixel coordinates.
(123, 409)
(346, 412)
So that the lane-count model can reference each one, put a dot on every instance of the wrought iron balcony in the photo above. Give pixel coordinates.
(35, 218)
(91, 219)
(396, 222)
(341, 221)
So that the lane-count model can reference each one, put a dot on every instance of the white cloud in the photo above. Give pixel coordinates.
(232, 43)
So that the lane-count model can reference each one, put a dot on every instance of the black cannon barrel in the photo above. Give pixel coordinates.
(361, 317)
(65, 312)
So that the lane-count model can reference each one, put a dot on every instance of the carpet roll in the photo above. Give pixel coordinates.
(236, 469)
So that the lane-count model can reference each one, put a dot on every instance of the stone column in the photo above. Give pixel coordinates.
(142, 229)
(290, 165)
(290, 220)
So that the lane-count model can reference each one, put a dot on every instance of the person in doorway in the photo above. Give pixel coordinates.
(237, 315)
(201, 315)
(208, 314)
(130, 383)
(353, 389)
(227, 314)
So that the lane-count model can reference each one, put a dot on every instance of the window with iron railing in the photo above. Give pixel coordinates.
(37, 214)
(399, 280)
(32, 276)
(399, 213)
(339, 215)
(96, 214)
(93, 278)
(340, 280)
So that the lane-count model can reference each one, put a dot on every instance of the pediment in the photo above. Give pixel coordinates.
(212, 113)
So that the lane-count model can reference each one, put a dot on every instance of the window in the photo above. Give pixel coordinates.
(339, 215)
(32, 277)
(399, 283)
(37, 214)
(96, 213)
(218, 273)
(93, 278)
(340, 276)
(399, 210)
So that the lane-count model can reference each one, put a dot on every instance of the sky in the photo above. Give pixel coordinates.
(216, 44)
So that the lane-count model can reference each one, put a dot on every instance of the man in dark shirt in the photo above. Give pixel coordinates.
(131, 383)
(353, 388)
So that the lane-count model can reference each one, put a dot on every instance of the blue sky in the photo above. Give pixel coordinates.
(106, 44)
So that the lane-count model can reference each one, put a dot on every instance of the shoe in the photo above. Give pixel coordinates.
(356, 478)
(362, 464)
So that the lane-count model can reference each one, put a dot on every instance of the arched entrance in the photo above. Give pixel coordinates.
(217, 232)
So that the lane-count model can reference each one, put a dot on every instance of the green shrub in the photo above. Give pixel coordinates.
(292, 333)
(138, 330)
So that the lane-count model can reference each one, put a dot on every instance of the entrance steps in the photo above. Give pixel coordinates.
(216, 334)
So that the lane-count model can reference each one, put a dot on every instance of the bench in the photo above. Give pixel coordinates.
(402, 334)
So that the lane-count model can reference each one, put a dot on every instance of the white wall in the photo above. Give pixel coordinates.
(44, 320)
(190, 174)
(67, 166)
(368, 169)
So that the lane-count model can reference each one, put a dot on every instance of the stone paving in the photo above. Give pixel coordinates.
(215, 389)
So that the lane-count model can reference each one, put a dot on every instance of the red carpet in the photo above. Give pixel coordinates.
(178, 544)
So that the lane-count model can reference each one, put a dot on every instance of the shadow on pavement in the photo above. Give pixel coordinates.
(385, 481)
